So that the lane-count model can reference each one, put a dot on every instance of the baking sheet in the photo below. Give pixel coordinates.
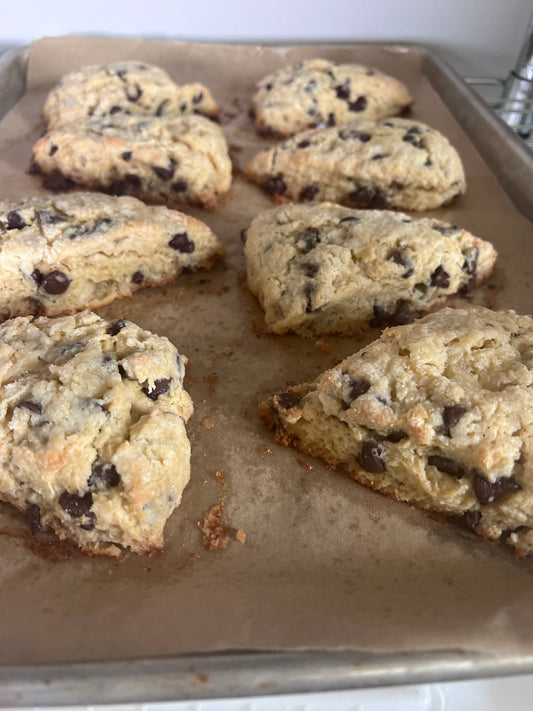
(327, 564)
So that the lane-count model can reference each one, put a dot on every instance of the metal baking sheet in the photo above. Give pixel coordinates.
(335, 586)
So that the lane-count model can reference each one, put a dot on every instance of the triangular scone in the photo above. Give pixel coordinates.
(318, 91)
(129, 87)
(396, 163)
(92, 416)
(438, 413)
(69, 252)
(325, 269)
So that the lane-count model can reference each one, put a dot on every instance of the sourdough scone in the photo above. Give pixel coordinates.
(319, 92)
(158, 159)
(93, 440)
(438, 413)
(83, 250)
(129, 87)
(397, 163)
(325, 269)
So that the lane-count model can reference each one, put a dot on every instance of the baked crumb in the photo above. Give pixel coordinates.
(215, 532)
(240, 536)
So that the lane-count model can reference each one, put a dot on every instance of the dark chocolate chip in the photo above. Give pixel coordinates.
(35, 168)
(310, 269)
(440, 278)
(115, 109)
(122, 372)
(400, 259)
(488, 491)
(358, 105)
(303, 144)
(161, 386)
(414, 129)
(161, 107)
(76, 506)
(33, 514)
(310, 86)
(49, 217)
(370, 457)
(53, 149)
(309, 192)
(310, 239)
(55, 282)
(472, 519)
(395, 436)
(331, 120)
(395, 185)
(57, 182)
(268, 87)
(351, 218)
(126, 155)
(244, 236)
(312, 111)
(275, 185)
(179, 186)
(104, 475)
(15, 221)
(309, 290)
(287, 400)
(182, 243)
(133, 93)
(197, 98)
(380, 156)
(165, 173)
(126, 184)
(400, 316)
(356, 388)
(428, 163)
(183, 107)
(37, 277)
(413, 140)
(451, 414)
(121, 73)
(343, 90)
(117, 326)
(446, 230)
(470, 263)
(89, 522)
(368, 197)
(34, 407)
(346, 134)
(137, 278)
(446, 465)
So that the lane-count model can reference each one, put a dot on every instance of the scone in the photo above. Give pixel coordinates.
(93, 418)
(322, 269)
(158, 159)
(396, 163)
(129, 87)
(319, 92)
(83, 250)
(438, 413)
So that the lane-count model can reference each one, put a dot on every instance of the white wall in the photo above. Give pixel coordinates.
(478, 37)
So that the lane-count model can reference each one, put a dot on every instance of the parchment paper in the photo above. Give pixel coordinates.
(326, 563)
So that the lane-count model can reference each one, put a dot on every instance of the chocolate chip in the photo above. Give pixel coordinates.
(309, 290)
(331, 120)
(55, 282)
(115, 109)
(287, 400)
(351, 218)
(356, 388)
(121, 73)
(161, 107)
(34, 407)
(310, 269)
(35, 168)
(133, 93)
(370, 457)
(137, 278)
(310, 239)
(126, 155)
(346, 134)
(446, 465)
(197, 98)
(312, 110)
(53, 149)
(103, 475)
(368, 197)
(358, 105)
(244, 236)
(76, 506)
(37, 277)
(451, 414)
(487, 491)
(395, 436)
(470, 263)
(122, 372)
(309, 192)
(413, 140)
(183, 107)
(310, 86)
(268, 87)
(440, 278)
(414, 129)
(49, 217)
(446, 230)
(161, 386)
(343, 90)
(15, 221)
(428, 163)
(303, 144)
(275, 185)
(179, 186)
(395, 185)
(90, 521)
(472, 519)
(400, 259)
(400, 316)
(182, 243)
(117, 326)
(165, 173)
(57, 182)
(33, 514)
(128, 183)
(380, 156)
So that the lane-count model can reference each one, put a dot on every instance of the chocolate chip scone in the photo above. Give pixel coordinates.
(128, 87)
(158, 159)
(325, 269)
(438, 413)
(396, 163)
(93, 418)
(317, 91)
(83, 250)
